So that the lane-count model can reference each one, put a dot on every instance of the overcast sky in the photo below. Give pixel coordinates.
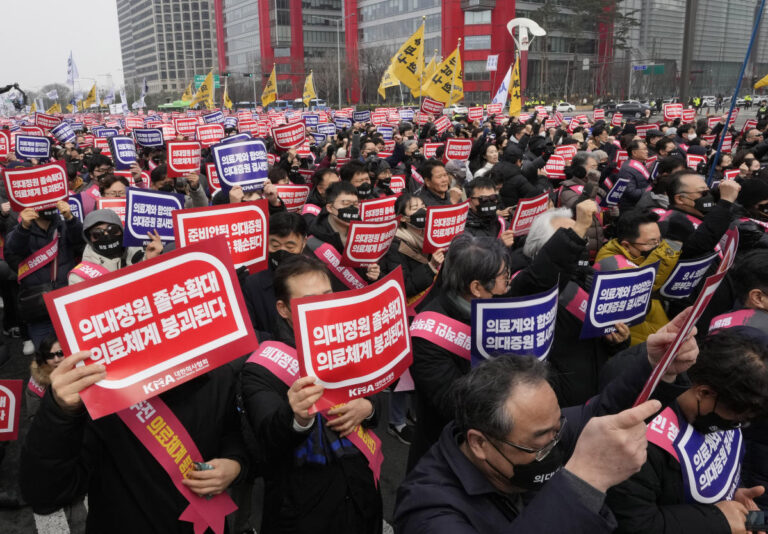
(39, 34)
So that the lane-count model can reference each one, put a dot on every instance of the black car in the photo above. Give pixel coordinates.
(632, 108)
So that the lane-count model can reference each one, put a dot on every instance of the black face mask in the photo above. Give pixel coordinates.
(705, 203)
(711, 422)
(349, 214)
(364, 190)
(487, 209)
(277, 257)
(646, 253)
(419, 218)
(759, 212)
(167, 187)
(108, 246)
(48, 215)
(532, 476)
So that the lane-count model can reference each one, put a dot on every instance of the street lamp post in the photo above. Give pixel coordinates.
(338, 22)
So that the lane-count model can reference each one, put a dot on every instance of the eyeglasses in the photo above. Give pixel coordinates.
(55, 354)
(651, 243)
(114, 194)
(546, 449)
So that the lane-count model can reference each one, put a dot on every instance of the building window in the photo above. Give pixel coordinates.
(475, 71)
(477, 17)
(477, 42)
(477, 97)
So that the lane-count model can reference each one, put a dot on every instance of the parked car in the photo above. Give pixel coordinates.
(565, 106)
(455, 109)
(609, 107)
(741, 101)
(708, 101)
(632, 108)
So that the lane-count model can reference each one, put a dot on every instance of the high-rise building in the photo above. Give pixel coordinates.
(167, 42)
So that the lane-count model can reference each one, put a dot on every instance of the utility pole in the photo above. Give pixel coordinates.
(691, 6)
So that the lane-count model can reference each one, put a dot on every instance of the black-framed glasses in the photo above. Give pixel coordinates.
(55, 354)
(486, 198)
(112, 231)
(546, 449)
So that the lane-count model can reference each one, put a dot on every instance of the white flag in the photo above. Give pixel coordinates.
(492, 63)
(144, 89)
(503, 92)
(72, 73)
(124, 101)
(53, 95)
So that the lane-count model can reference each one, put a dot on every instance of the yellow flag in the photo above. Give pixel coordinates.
(80, 105)
(408, 63)
(91, 98)
(204, 94)
(269, 94)
(515, 98)
(52, 109)
(33, 107)
(446, 84)
(225, 98)
(70, 108)
(309, 90)
(429, 71)
(188, 96)
(388, 80)
(762, 82)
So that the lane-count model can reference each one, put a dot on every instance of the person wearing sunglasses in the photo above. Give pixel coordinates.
(514, 461)
(482, 218)
(690, 482)
(104, 251)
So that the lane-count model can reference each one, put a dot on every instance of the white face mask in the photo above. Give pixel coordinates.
(691, 136)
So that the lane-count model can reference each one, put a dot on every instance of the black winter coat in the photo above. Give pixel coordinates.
(417, 276)
(66, 456)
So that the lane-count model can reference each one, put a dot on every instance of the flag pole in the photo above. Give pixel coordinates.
(453, 80)
(421, 76)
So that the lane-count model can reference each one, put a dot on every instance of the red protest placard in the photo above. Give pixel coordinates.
(397, 183)
(621, 157)
(494, 108)
(154, 325)
(706, 294)
(443, 224)
(457, 149)
(526, 212)
(688, 115)
(356, 342)
(10, 409)
(245, 225)
(430, 149)
(378, 117)
(46, 122)
(442, 124)
(378, 209)
(692, 161)
(293, 196)
(555, 167)
(432, 107)
(289, 135)
(185, 126)
(248, 125)
(748, 124)
(5, 144)
(183, 158)
(475, 113)
(213, 177)
(731, 174)
(209, 134)
(672, 111)
(368, 242)
(567, 151)
(32, 130)
(39, 187)
(616, 119)
(115, 204)
(598, 114)
(131, 123)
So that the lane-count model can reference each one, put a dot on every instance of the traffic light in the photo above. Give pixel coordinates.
(248, 74)
(225, 74)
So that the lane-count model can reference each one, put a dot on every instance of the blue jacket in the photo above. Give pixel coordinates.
(637, 185)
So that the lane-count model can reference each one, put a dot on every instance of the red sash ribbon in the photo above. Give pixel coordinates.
(446, 333)
(35, 387)
(88, 271)
(332, 259)
(40, 259)
(280, 360)
(639, 167)
(166, 439)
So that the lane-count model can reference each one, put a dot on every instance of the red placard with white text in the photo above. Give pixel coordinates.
(294, 196)
(457, 149)
(131, 123)
(397, 183)
(39, 187)
(430, 149)
(443, 224)
(289, 135)
(183, 158)
(672, 111)
(185, 126)
(616, 119)
(213, 177)
(46, 122)
(10, 409)
(154, 325)
(688, 115)
(209, 134)
(494, 109)
(431, 106)
(598, 114)
(526, 211)
(475, 113)
(692, 161)
(115, 204)
(378, 209)
(356, 342)
(32, 130)
(5, 144)
(731, 174)
(245, 225)
(368, 242)
(567, 151)
(442, 124)
(555, 167)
